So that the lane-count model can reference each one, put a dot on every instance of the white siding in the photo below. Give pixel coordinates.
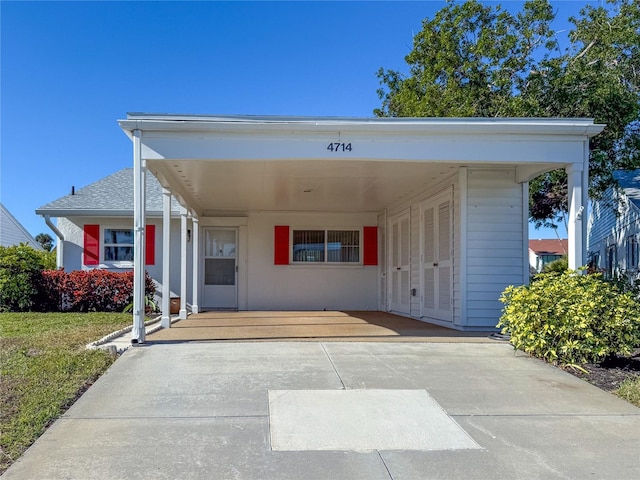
(609, 224)
(495, 253)
(12, 232)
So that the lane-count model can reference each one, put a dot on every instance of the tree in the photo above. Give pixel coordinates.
(45, 240)
(482, 61)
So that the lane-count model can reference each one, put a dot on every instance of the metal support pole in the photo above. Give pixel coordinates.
(166, 259)
(183, 263)
(195, 239)
(139, 181)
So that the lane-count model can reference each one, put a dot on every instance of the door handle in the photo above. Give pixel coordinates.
(435, 264)
(398, 268)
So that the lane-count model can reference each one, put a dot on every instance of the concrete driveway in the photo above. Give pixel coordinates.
(326, 410)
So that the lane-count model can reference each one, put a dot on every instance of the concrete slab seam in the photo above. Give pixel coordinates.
(334, 366)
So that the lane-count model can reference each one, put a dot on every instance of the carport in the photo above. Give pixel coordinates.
(424, 218)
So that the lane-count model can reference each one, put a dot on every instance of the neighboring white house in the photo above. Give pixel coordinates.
(614, 227)
(12, 232)
(543, 252)
(426, 218)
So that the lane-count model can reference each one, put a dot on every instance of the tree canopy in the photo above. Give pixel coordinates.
(476, 60)
(45, 240)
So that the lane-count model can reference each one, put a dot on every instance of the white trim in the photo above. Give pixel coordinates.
(574, 227)
(183, 264)
(525, 233)
(139, 173)
(463, 182)
(195, 249)
(166, 259)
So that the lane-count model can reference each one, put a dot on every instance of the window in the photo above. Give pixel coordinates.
(118, 244)
(326, 246)
(612, 259)
(632, 252)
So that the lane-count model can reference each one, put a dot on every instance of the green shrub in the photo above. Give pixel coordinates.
(560, 265)
(571, 319)
(20, 267)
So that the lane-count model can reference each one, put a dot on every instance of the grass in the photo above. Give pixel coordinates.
(44, 367)
(629, 390)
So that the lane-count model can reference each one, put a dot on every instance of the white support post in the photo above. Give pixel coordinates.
(183, 263)
(166, 259)
(576, 210)
(139, 182)
(585, 200)
(195, 239)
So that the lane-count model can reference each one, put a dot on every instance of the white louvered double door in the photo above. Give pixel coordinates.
(436, 258)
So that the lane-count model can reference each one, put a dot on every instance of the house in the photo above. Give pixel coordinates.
(614, 227)
(95, 227)
(422, 217)
(543, 252)
(12, 232)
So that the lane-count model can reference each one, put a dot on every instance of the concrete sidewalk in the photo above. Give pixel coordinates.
(324, 410)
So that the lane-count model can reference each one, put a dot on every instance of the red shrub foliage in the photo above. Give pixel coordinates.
(88, 290)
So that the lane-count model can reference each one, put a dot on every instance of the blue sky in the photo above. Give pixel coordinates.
(69, 70)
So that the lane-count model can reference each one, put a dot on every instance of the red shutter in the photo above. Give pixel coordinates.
(281, 245)
(150, 245)
(91, 245)
(370, 240)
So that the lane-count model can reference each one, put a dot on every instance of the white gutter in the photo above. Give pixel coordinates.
(58, 233)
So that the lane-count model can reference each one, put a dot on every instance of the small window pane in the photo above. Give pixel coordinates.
(113, 253)
(308, 245)
(343, 246)
(118, 236)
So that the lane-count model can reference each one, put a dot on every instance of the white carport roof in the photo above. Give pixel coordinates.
(230, 165)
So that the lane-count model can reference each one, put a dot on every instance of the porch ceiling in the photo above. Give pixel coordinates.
(236, 187)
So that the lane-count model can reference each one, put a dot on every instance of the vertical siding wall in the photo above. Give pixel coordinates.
(611, 223)
(495, 236)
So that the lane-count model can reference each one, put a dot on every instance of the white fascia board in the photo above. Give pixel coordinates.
(399, 126)
(100, 213)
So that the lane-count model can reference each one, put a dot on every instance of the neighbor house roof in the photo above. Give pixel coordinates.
(12, 232)
(630, 182)
(552, 246)
(109, 196)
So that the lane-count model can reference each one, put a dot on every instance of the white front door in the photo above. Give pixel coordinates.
(220, 289)
(436, 258)
(399, 258)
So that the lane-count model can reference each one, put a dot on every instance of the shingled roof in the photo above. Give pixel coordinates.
(109, 196)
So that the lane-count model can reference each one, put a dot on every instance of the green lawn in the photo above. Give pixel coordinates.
(44, 367)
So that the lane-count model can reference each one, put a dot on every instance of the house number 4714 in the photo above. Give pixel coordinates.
(339, 147)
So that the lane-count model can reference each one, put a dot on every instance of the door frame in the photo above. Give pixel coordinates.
(433, 202)
(205, 305)
(397, 218)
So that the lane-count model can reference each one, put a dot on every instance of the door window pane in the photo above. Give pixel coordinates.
(219, 271)
(220, 243)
